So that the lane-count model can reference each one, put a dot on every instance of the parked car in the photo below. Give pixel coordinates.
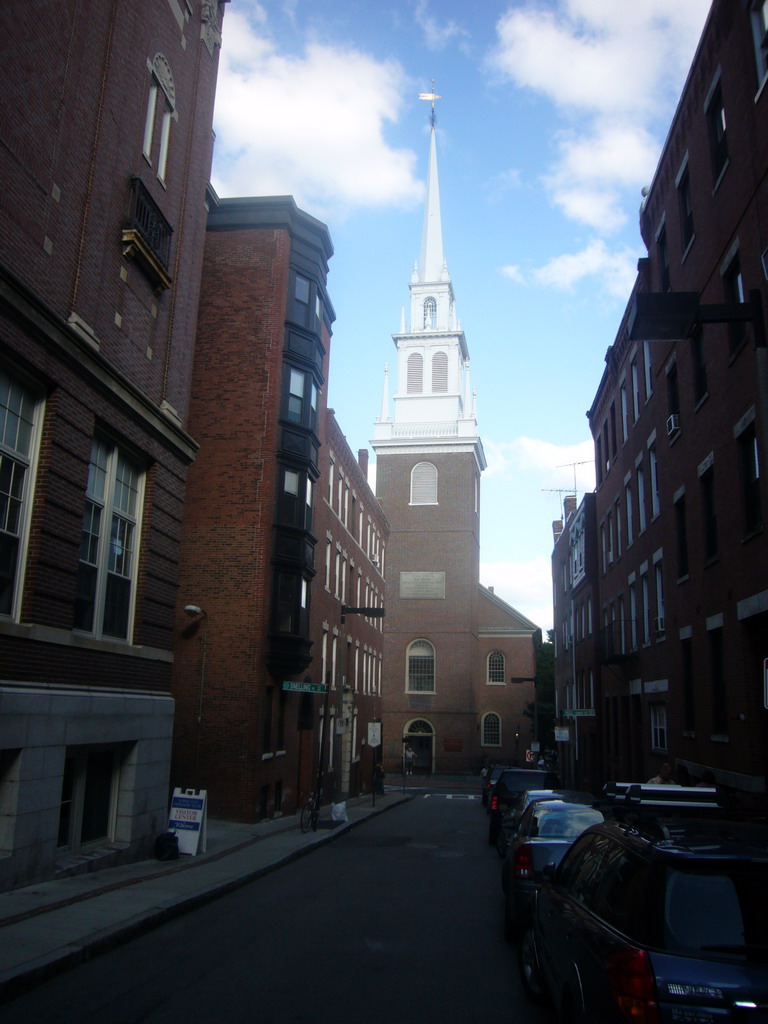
(510, 819)
(489, 781)
(545, 832)
(659, 917)
(509, 785)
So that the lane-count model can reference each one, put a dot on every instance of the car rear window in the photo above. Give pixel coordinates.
(518, 781)
(717, 909)
(563, 823)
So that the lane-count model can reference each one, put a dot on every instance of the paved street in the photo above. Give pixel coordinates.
(396, 921)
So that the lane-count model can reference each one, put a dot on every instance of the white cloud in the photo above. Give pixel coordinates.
(437, 36)
(552, 465)
(582, 56)
(527, 586)
(615, 271)
(514, 273)
(273, 109)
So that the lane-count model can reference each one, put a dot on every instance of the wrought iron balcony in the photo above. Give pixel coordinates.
(147, 238)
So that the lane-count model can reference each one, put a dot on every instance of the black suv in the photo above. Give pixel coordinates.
(655, 916)
(508, 787)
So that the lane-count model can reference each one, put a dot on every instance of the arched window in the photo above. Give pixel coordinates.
(161, 84)
(495, 667)
(421, 667)
(424, 484)
(430, 314)
(491, 730)
(415, 376)
(439, 372)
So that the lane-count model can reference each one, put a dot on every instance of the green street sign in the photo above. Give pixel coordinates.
(304, 687)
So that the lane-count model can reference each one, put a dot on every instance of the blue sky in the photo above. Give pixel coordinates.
(552, 118)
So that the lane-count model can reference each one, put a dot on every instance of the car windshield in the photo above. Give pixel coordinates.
(563, 822)
(717, 909)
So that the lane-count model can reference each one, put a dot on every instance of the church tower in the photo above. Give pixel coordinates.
(429, 458)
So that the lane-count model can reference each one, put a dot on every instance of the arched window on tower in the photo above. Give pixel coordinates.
(424, 484)
(491, 730)
(415, 377)
(421, 667)
(439, 372)
(430, 314)
(495, 667)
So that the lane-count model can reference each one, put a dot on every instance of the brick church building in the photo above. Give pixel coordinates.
(459, 662)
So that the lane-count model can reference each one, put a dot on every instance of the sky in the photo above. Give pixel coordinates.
(551, 119)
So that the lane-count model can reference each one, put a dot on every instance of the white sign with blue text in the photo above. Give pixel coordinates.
(187, 819)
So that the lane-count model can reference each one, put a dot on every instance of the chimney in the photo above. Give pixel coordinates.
(570, 506)
(362, 460)
(557, 529)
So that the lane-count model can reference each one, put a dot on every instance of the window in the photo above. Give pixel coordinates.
(681, 531)
(733, 286)
(707, 485)
(698, 362)
(495, 667)
(295, 500)
(421, 667)
(719, 688)
(654, 466)
(430, 314)
(86, 814)
(686, 207)
(659, 577)
(750, 479)
(106, 579)
(17, 449)
(673, 400)
(491, 730)
(646, 609)
(760, 37)
(301, 400)
(415, 374)
(662, 256)
(635, 391)
(659, 726)
(641, 513)
(689, 689)
(648, 369)
(718, 140)
(424, 484)
(439, 372)
(624, 411)
(633, 616)
(630, 514)
(161, 83)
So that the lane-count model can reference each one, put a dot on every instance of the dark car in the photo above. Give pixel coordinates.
(489, 781)
(544, 833)
(509, 785)
(511, 818)
(655, 918)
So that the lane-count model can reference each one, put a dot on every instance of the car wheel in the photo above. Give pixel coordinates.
(502, 843)
(529, 970)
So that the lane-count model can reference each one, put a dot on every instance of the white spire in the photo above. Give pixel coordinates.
(432, 266)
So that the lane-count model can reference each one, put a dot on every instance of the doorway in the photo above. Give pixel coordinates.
(421, 737)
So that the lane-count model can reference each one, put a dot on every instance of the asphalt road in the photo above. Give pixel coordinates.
(397, 922)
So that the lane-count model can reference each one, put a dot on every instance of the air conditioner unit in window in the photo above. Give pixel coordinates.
(673, 424)
(658, 626)
(374, 559)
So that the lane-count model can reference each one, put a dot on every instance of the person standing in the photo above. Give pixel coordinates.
(409, 756)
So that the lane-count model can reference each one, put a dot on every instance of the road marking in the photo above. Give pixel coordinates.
(451, 796)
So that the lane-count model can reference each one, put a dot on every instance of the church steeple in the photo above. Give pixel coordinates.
(432, 403)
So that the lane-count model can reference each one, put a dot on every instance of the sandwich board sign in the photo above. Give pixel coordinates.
(187, 819)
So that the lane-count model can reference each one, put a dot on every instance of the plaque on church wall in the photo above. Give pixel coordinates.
(422, 585)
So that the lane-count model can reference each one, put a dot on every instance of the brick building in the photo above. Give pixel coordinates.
(106, 151)
(452, 648)
(680, 429)
(248, 551)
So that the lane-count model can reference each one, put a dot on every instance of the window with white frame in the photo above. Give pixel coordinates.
(18, 445)
(496, 667)
(106, 579)
(424, 484)
(659, 578)
(420, 667)
(641, 513)
(659, 726)
(654, 465)
(630, 514)
(430, 313)
(491, 731)
(161, 89)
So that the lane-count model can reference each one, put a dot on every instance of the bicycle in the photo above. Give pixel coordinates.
(310, 813)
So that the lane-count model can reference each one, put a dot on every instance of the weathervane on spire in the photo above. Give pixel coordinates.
(432, 96)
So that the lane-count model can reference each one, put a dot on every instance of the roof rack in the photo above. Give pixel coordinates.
(664, 797)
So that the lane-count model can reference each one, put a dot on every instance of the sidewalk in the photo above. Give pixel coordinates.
(53, 925)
